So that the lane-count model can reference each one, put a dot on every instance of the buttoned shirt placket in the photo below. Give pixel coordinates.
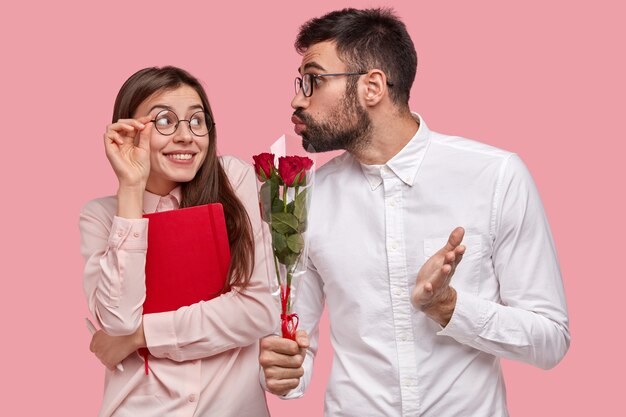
(398, 289)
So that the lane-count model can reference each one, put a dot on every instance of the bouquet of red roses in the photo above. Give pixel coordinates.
(284, 196)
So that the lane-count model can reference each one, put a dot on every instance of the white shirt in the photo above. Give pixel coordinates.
(371, 229)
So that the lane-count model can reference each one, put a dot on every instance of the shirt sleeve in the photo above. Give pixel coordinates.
(235, 319)
(114, 249)
(530, 324)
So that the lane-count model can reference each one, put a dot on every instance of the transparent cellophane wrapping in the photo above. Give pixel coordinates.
(285, 210)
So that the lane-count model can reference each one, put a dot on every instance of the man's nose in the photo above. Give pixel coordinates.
(299, 101)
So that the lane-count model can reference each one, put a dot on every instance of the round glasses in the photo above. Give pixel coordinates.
(166, 122)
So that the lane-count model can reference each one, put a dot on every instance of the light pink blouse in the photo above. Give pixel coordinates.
(204, 357)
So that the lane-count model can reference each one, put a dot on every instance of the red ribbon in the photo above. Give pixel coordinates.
(289, 322)
(289, 325)
(144, 353)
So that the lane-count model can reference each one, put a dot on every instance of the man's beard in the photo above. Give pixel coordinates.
(348, 127)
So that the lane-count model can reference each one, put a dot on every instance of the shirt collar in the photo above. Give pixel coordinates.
(151, 201)
(405, 163)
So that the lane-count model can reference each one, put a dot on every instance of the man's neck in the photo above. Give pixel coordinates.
(389, 135)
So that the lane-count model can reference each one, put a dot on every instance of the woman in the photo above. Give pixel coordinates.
(203, 358)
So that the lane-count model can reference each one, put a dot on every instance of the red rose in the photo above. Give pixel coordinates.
(264, 165)
(292, 169)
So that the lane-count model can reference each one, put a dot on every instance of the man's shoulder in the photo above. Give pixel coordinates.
(471, 147)
(475, 159)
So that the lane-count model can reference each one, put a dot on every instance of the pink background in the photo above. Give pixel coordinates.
(542, 78)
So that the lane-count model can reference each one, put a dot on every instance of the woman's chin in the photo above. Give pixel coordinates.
(182, 178)
(179, 175)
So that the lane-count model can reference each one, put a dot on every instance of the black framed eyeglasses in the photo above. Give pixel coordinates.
(305, 83)
(166, 122)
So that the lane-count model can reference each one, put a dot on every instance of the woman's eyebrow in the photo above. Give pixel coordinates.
(160, 106)
(166, 107)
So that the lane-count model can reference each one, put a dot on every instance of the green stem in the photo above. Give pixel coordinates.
(277, 270)
(285, 188)
(289, 276)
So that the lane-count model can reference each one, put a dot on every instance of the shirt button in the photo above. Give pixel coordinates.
(403, 337)
(136, 234)
(120, 233)
(192, 398)
(392, 203)
(397, 291)
(394, 246)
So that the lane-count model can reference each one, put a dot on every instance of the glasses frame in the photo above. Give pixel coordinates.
(300, 80)
(207, 115)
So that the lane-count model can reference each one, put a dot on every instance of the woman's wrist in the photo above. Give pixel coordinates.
(130, 201)
(140, 337)
(131, 187)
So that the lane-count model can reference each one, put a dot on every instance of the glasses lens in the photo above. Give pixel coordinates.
(306, 84)
(165, 122)
(297, 84)
(199, 123)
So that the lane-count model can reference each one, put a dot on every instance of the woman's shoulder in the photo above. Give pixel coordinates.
(236, 169)
(230, 162)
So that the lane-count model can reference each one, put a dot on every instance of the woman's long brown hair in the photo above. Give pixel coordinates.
(210, 185)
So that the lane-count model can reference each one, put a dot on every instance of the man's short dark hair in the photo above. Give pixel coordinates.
(367, 39)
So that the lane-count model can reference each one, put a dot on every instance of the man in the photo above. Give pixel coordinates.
(416, 331)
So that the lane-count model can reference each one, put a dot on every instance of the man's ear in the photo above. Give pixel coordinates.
(375, 87)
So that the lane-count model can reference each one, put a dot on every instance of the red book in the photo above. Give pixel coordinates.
(187, 259)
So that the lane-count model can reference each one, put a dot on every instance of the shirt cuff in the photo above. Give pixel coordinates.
(160, 335)
(129, 234)
(468, 319)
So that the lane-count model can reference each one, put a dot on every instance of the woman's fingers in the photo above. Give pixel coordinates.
(113, 136)
(144, 137)
(129, 128)
(144, 119)
(127, 146)
(135, 123)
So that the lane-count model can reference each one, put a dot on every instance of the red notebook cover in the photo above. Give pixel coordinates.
(187, 259)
